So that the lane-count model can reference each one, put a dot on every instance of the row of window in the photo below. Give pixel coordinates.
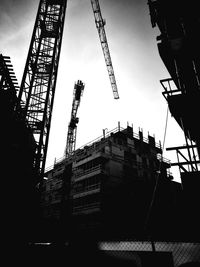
(88, 165)
(87, 184)
(78, 173)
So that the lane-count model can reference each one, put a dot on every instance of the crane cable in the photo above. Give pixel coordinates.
(158, 175)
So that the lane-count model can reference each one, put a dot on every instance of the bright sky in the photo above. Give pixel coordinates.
(137, 65)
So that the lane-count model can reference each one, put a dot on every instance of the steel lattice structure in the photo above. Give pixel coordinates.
(100, 23)
(72, 127)
(38, 84)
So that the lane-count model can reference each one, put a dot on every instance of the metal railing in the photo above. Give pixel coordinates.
(85, 172)
(96, 145)
(169, 87)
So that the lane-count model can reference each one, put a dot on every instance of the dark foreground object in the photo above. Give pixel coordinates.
(74, 255)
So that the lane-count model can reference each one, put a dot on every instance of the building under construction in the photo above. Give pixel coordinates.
(119, 185)
(110, 188)
(178, 46)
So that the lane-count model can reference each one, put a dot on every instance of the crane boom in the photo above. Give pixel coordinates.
(38, 84)
(72, 127)
(100, 23)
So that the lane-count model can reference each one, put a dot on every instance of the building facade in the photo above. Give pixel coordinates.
(112, 181)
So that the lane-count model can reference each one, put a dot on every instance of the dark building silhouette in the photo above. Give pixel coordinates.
(178, 46)
(17, 149)
(26, 117)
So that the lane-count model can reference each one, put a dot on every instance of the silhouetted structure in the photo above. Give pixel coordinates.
(27, 116)
(178, 46)
(38, 84)
(18, 148)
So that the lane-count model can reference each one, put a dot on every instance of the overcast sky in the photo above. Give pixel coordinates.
(137, 65)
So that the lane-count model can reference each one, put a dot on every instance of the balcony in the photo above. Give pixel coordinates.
(170, 89)
(82, 174)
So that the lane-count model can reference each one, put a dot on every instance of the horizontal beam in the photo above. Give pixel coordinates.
(185, 163)
(171, 91)
(180, 147)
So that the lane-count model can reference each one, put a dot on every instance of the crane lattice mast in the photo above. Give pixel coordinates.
(100, 23)
(38, 84)
(72, 127)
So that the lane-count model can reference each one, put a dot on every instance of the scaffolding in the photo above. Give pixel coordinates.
(178, 48)
(188, 154)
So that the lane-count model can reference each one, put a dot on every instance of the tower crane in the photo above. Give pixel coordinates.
(72, 127)
(38, 84)
(100, 23)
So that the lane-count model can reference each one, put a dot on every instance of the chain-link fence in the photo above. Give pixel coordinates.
(181, 252)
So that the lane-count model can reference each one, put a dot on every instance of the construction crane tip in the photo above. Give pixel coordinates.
(100, 23)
